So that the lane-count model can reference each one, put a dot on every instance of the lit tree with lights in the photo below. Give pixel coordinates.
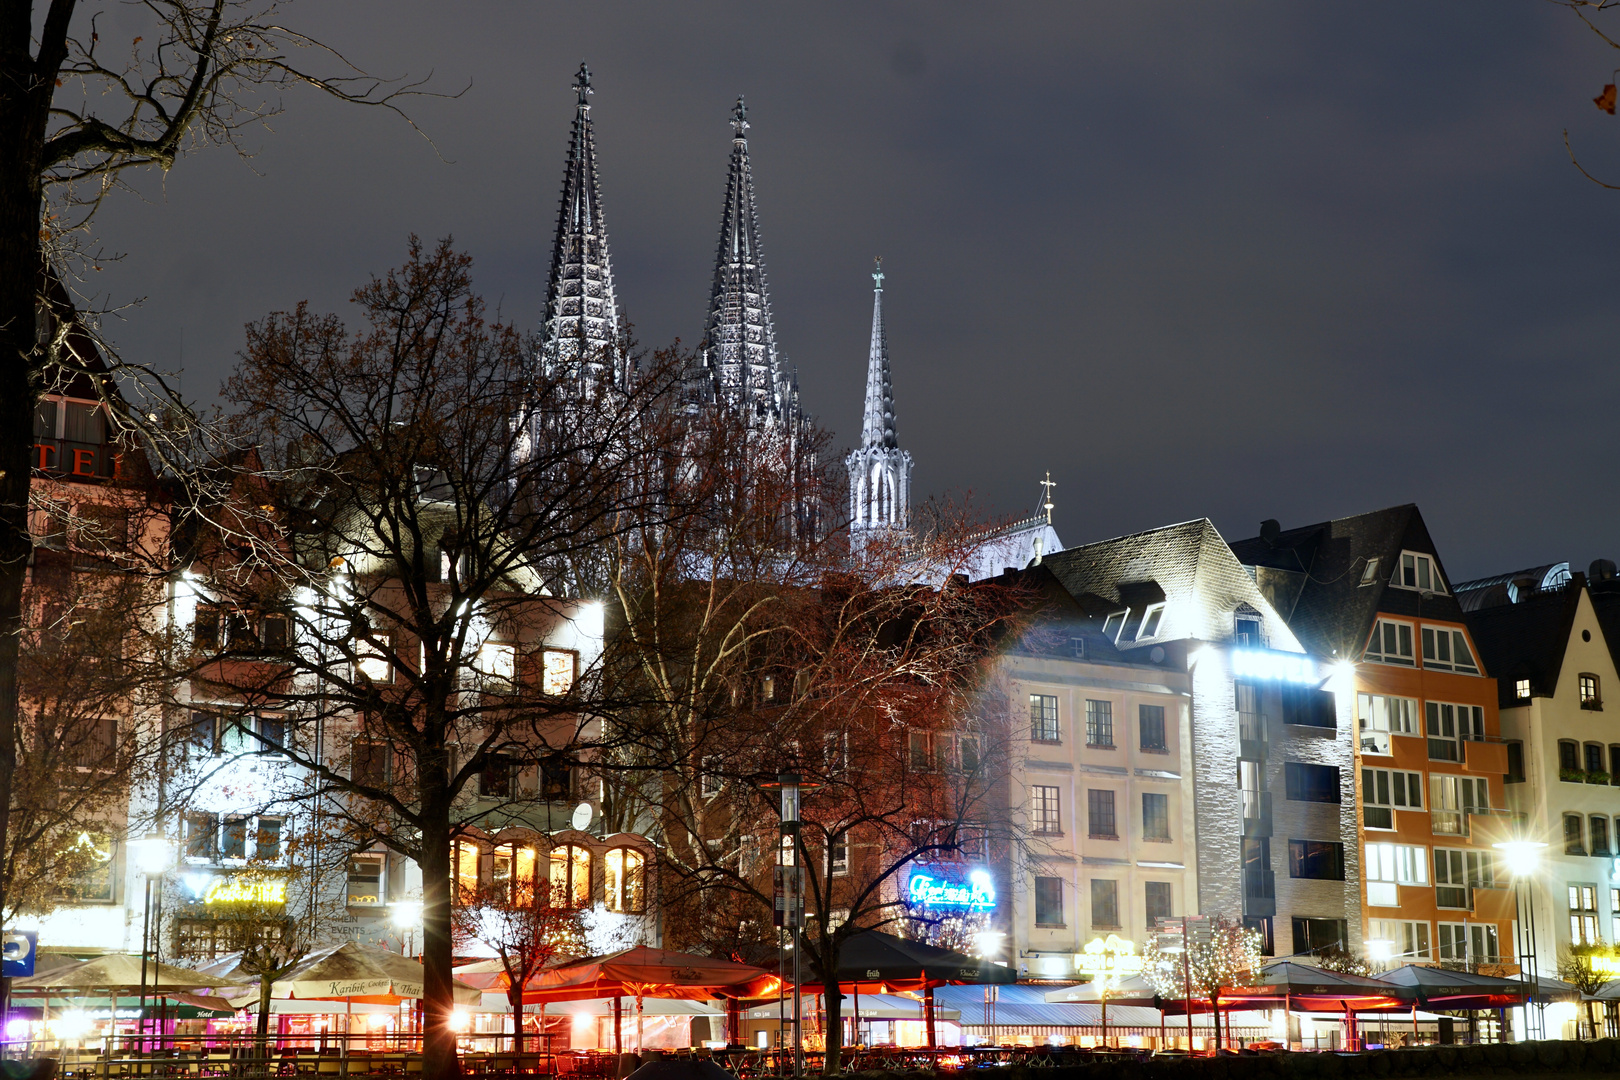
(1227, 956)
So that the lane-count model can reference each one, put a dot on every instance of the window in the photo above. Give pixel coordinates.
(1446, 649)
(1319, 860)
(202, 834)
(967, 757)
(233, 842)
(625, 880)
(464, 859)
(1583, 923)
(1043, 718)
(1100, 724)
(1469, 943)
(197, 735)
(89, 870)
(1158, 902)
(496, 665)
(1155, 816)
(1317, 935)
(1407, 940)
(1045, 809)
(375, 661)
(1452, 799)
(1261, 925)
(1150, 621)
(1521, 689)
(1369, 573)
(1381, 716)
(1251, 721)
(1614, 764)
(1449, 726)
(1594, 760)
(1599, 831)
(1458, 872)
(495, 781)
(366, 880)
(1590, 698)
(920, 750)
(1311, 783)
(1384, 789)
(1104, 904)
(1248, 632)
(554, 781)
(1307, 706)
(571, 876)
(838, 854)
(267, 840)
(1574, 835)
(1114, 624)
(1150, 720)
(1515, 763)
(369, 763)
(1049, 901)
(273, 633)
(1415, 571)
(1391, 643)
(1392, 865)
(1569, 759)
(1257, 875)
(558, 669)
(1100, 814)
(91, 743)
(709, 779)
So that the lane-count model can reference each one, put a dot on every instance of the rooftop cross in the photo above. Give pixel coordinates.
(739, 118)
(1048, 484)
(877, 275)
(582, 82)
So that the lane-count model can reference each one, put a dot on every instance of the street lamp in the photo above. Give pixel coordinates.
(1523, 859)
(153, 853)
(406, 915)
(790, 895)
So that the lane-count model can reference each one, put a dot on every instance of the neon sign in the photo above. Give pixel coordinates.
(1264, 664)
(978, 893)
(242, 890)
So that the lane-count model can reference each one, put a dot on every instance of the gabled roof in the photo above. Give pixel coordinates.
(1189, 565)
(1527, 640)
(1314, 574)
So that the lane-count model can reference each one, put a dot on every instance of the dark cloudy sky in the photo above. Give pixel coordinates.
(1237, 260)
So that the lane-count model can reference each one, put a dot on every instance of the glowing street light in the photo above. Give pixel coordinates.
(1523, 860)
(1523, 857)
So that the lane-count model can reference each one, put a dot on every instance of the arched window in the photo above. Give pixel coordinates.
(626, 880)
(571, 876)
(514, 866)
(466, 870)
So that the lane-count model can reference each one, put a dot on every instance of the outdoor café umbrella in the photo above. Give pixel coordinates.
(873, 962)
(1436, 988)
(121, 971)
(349, 972)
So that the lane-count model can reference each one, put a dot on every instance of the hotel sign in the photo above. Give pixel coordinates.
(1273, 666)
(244, 889)
(978, 893)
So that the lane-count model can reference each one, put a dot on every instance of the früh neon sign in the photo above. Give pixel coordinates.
(978, 893)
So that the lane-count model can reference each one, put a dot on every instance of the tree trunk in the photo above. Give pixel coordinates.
(514, 995)
(1215, 1011)
(438, 996)
(265, 982)
(835, 1024)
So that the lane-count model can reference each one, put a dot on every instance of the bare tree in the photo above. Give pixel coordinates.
(529, 926)
(1226, 955)
(77, 112)
(419, 489)
(1576, 968)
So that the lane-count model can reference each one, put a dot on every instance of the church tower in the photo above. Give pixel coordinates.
(879, 472)
(739, 363)
(580, 329)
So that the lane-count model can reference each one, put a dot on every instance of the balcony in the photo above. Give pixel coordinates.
(1259, 892)
(1488, 758)
(1252, 735)
(1256, 813)
(1454, 897)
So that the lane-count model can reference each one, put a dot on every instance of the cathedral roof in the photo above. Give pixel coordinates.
(582, 310)
(877, 424)
(739, 341)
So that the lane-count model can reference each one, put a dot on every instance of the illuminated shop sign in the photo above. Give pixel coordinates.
(1112, 956)
(978, 893)
(1275, 666)
(1604, 965)
(241, 889)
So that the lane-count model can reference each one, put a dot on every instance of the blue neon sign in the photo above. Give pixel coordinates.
(978, 893)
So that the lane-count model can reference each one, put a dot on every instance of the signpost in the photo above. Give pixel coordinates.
(17, 959)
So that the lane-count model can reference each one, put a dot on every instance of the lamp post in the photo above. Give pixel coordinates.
(1523, 858)
(790, 897)
(152, 856)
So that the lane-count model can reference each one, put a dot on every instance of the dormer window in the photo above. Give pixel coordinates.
(1521, 689)
(70, 438)
(1247, 628)
(1114, 624)
(1370, 574)
(1417, 571)
(1150, 622)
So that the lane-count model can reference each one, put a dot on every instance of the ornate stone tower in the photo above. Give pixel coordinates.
(879, 472)
(580, 329)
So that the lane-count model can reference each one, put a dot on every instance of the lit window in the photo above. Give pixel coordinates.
(1045, 811)
(1383, 790)
(1043, 718)
(1583, 923)
(1407, 940)
(1449, 726)
(1521, 689)
(375, 662)
(624, 875)
(1452, 799)
(1391, 643)
(838, 854)
(557, 671)
(570, 876)
(1419, 572)
(1590, 697)
(1382, 716)
(1150, 621)
(366, 881)
(1392, 865)
(497, 663)
(1447, 650)
(466, 867)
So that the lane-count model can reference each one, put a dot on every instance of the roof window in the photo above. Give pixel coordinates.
(1417, 571)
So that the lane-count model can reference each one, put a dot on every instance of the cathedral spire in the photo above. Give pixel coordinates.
(879, 472)
(581, 321)
(877, 425)
(740, 361)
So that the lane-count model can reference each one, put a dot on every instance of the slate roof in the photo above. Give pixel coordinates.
(1315, 575)
(1526, 640)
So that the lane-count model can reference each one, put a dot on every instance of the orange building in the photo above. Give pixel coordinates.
(1369, 594)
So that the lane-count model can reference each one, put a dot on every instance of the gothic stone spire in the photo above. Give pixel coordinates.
(879, 472)
(581, 321)
(739, 342)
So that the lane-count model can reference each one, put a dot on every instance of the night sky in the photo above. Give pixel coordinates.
(1239, 261)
